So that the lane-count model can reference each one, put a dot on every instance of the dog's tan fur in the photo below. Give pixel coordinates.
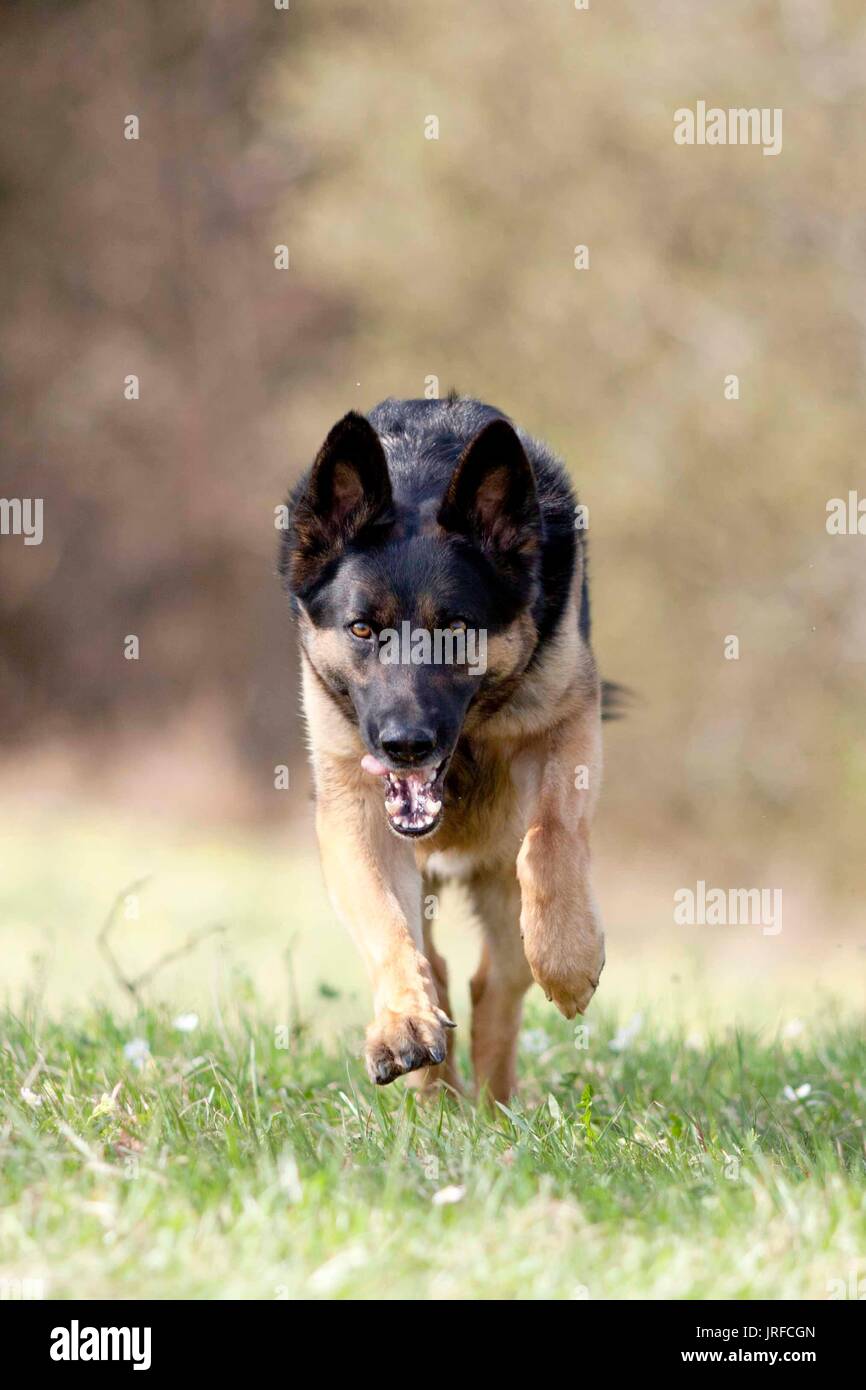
(516, 829)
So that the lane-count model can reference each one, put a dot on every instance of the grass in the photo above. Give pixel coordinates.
(216, 1163)
(684, 1161)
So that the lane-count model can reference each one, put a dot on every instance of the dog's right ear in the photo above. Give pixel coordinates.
(346, 492)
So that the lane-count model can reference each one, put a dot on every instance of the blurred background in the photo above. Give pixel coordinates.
(416, 261)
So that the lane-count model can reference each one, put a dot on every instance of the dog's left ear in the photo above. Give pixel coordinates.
(491, 498)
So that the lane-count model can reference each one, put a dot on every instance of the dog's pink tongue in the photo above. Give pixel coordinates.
(371, 764)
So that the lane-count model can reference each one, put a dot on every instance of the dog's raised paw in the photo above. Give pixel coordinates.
(398, 1043)
(568, 974)
(571, 1001)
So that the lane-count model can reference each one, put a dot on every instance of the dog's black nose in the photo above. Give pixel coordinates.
(408, 747)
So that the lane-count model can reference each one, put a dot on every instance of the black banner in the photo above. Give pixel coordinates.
(82, 1339)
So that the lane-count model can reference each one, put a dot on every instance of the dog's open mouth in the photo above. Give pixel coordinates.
(413, 799)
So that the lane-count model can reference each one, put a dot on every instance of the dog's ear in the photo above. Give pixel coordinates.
(491, 498)
(348, 491)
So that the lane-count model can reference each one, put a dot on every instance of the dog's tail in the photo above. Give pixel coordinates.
(615, 700)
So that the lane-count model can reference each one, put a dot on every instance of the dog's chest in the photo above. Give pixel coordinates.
(482, 823)
(452, 863)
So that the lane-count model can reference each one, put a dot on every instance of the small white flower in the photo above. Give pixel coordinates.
(801, 1092)
(627, 1034)
(793, 1028)
(447, 1196)
(30, 1097)
(186, 1023)
(535, 1040)
(137, 1052)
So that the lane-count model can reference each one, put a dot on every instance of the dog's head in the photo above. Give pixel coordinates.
(415, 613)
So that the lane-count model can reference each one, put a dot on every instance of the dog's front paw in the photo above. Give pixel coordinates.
(401, 1042)
(566, 965)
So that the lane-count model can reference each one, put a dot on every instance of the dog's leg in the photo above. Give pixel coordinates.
(376, 889)
(562, 933)
(430, 1078)
(499, 984)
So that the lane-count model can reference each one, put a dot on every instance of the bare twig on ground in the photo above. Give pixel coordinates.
(133, 984)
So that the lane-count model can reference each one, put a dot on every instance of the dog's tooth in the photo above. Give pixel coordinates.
(434, 807)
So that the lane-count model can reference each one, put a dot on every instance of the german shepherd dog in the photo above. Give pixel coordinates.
(440, 517)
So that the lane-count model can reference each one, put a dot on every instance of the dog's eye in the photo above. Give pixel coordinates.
(361, 630)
